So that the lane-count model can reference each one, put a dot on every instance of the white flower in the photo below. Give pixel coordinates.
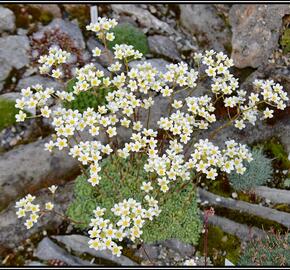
(20, 117)
(53, 188)
(49, 206)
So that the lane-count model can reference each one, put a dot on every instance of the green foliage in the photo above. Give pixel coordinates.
(269, 251)
(178, 219)
(85, 99)
(278, 151)
(7, 113)
(258, 171)
(121, 180)
(128, 34)
(285, 40)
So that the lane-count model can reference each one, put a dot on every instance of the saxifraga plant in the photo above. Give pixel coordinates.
(272, 250)
(257, 173)
(149, 180)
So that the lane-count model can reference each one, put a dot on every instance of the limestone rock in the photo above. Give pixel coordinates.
(163, 46)
(206, 25)
(79, 243)
(48, 250)
(66, 27)
(256, 30)
(28, 168)
(7, 20)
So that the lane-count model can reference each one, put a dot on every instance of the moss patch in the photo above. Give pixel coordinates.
(221, 245)
(128, 34)
(7, 112)
(277, 150)
(285, 41)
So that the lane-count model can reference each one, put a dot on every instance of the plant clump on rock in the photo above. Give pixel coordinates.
(139, 174)
(257, 173)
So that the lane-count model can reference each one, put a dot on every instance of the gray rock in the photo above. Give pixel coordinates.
(149, 251)
(204, 22)
(7, 20)
(5, 70)
(144, 17)
(79, 243)
(104, 59)
(29, 167)
(280, 217)
(14, 53)
(38, 79)
(66, 27)
(14, 50)
(163, 46)
(12, 230)
(48, 250)
(256, 30)
(273, 194)
(183, 249)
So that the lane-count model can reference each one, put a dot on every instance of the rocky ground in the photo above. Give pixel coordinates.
(251, 34)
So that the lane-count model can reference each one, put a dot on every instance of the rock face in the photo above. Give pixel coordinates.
(168, 252)
(203, 22)
(144, 17)
(29, 167)
(14, 53)
(12, 230)
(7, 20)
(48, 250)
(69, 28)
(79, 243)
(273, 194)
(255, 32)
(163, 46)
(14, 50)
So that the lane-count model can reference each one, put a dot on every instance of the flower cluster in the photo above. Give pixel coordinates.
(208, 158)
(125, 51)
(131, 218)
(26, 206)
(32, 98)
(50, 62)
(89, 77)
(101, 28)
